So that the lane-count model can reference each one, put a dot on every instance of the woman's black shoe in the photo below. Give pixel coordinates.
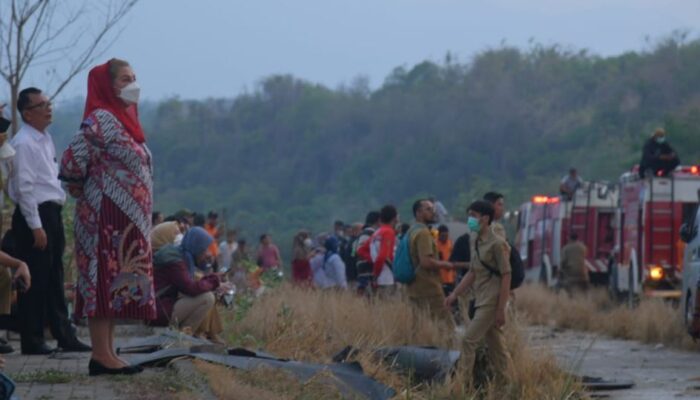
(96, 368)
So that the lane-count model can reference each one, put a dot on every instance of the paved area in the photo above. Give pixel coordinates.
(658, 372)
(65, 375)
(59, 376)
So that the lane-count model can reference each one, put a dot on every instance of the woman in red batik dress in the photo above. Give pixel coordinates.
(107, 168)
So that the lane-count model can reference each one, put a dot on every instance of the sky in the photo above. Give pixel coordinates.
(220, 48)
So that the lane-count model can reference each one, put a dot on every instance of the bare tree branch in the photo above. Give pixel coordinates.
(33, 33)
(92, 52)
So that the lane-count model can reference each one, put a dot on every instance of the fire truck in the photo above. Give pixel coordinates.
(545, 224)
(649, 250)
(631, 230)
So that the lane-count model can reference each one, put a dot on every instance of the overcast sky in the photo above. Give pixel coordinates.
(218, 48)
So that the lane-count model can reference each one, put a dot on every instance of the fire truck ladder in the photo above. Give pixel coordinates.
(666, 213)
(582, 225)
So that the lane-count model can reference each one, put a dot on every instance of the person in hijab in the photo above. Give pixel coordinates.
(107, 168)
(333, 265)
(182, 301)
(164, 234)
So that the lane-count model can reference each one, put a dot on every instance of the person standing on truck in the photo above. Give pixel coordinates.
(658, 157)
(573, 275)
(569, 184)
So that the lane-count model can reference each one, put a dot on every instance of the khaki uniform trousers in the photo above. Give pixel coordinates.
(483, 327)
(211, 325)
(192, 310)
(435, 307)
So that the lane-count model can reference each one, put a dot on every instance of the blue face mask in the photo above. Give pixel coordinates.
(473, 224)
(661, 139)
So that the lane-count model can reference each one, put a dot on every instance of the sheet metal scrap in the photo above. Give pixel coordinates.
(347, 377)
(167, 339)
(595, 384)
(422, 364)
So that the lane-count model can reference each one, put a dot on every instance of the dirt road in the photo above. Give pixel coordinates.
(658, 372)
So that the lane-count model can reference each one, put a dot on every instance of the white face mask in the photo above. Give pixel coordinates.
(130, 93)
(308, 242)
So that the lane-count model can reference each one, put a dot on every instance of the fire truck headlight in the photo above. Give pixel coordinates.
(656, 273)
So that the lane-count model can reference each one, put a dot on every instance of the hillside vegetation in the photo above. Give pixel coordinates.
(294, 154)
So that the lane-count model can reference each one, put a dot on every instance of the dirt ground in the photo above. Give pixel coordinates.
(658, 372)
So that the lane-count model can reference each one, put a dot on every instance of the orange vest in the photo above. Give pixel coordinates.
(447, 276)
(214, 246)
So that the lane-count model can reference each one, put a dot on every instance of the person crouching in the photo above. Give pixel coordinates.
(180, 300)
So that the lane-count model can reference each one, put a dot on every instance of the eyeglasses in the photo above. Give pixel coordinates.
(44, 104)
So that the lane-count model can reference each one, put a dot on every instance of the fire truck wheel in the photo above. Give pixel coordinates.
(613, 291)
(688, 312)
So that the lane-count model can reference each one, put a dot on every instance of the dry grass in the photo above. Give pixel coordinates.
(314, 325)
(653, 321)
(262, 384)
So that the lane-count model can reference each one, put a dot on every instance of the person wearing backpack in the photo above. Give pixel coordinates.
(363, 262)
(489, 275)
(425, 291)
(381, 250)
(517, 271)
(499, 207)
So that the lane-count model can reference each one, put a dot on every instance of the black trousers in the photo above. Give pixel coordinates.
(45, 301)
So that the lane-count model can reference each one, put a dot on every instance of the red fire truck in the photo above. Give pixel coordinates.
(631, 230)
(649, 259)
(545, 224)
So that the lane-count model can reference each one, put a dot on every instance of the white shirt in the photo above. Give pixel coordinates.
(320, 278)
(225, 255)
(34, 174)
(441, 211)
(334, 268)
(386, 276)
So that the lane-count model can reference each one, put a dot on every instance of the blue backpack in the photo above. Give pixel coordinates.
(404, 271)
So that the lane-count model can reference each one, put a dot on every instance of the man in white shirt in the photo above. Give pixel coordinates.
(440, 211)
(38, 228)
(569, 184)
(226, 249)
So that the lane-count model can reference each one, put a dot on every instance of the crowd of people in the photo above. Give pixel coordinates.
(134, 263)
(359, 257)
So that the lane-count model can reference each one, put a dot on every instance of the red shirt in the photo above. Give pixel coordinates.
(382, 247)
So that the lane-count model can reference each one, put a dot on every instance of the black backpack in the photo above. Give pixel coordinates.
(517, 271)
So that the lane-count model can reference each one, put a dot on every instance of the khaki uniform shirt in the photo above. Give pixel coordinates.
(573, 263)
(499, 230)
(427, 283)
(494, 251)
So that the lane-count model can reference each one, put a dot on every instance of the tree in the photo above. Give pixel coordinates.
(46, 33)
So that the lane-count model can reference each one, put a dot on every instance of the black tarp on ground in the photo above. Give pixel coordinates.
(421, 363)
(348, 378)
(167, 339)
(595, 384)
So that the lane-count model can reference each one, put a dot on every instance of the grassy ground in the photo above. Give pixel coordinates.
(314, 325)
(653, 321)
